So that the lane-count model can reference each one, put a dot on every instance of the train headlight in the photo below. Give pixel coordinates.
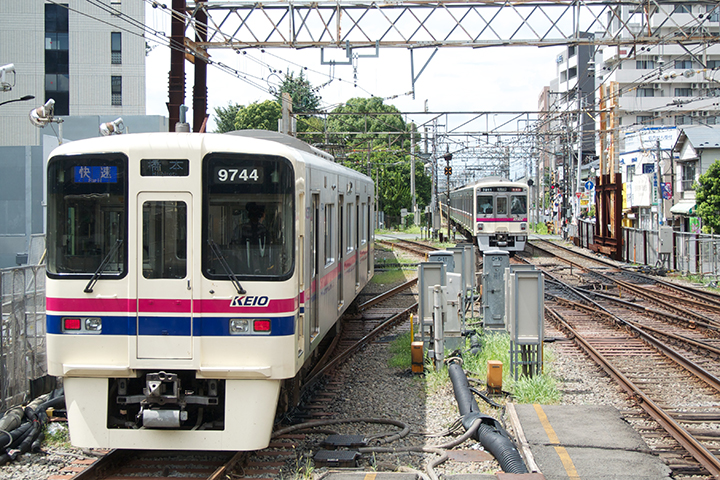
(239, 326)
(93, 324)
(480, 227)
(523, 226)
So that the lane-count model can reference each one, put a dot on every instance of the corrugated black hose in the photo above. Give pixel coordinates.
(491, 435)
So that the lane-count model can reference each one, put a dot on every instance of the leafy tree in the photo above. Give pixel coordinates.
(225, 117)
(379, 145)
(259, 116)
(304, 98)
(707, 195)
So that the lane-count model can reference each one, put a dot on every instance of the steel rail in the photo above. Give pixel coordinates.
(682, 436)
(382, 297)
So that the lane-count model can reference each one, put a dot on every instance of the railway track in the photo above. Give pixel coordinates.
(657, 342)
(283, 456)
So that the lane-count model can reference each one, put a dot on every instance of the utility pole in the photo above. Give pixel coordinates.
(658, 186)
(416, 220)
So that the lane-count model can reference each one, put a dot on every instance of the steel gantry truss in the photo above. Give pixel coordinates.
(424, 23)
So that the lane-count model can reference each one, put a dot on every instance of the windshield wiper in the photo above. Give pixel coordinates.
(223, 263)
(103, 266)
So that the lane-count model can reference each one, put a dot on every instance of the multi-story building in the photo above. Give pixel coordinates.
(652, 88)
(87, 56)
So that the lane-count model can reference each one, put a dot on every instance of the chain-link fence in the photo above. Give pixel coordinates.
(22, 336)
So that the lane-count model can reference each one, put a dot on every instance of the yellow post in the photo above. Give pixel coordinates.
(494, 378)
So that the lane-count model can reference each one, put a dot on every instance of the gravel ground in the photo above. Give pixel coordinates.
(372, 389)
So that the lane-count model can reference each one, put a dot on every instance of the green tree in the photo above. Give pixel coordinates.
(378, 142)
(707, 195)
(304, 98)
(259, 116)
(225, 117)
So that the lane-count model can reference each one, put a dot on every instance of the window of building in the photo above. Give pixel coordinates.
(683, 92)
(630, 173)
(713, 64)
(116, 90)
(684, 64)
(688, 175)
(572, 72)
(712, 120)
(683, 120)
(563, 76)
(644, 64)
(572, 51)
(645, 92)
(681, 9)
(648, 167)
(116, 48)
(57, 69)
(645, 120)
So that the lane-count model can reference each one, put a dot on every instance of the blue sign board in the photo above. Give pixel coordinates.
(95, 174)
(589, 185)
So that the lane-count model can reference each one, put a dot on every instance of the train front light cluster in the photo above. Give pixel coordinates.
(480, 227)
(82, 325)
(523, 226)
(242, 326)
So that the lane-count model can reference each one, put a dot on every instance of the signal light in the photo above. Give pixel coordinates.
(448, 171)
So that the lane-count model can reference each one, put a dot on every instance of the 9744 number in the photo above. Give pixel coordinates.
(239, 175)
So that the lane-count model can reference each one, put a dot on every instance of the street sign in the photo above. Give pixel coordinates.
(666, 190)
(578, 194)
(589, 185)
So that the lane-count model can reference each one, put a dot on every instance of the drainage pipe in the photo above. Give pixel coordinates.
(490, 434)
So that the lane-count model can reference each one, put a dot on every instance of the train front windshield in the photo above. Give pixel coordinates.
(248, 217)
(87, 215)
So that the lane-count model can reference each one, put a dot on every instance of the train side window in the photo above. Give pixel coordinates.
(328, 226)
(349, 244)
(501, 204)
(485, 204)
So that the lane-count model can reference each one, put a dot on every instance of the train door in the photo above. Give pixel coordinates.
(314, 296)
(341, 250)
(164, 286)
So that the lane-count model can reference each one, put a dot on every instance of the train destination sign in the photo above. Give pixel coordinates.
(164, 168)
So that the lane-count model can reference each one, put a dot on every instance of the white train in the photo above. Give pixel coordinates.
(493, 211)
(190, 276)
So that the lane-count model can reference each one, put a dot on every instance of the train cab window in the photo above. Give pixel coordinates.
(485, 204)
(248, 216)
(501, 206)
(518, 205)
(87, 216)
(164, 239)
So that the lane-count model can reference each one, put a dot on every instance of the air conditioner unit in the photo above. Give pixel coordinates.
(696, 86)
(704, 113)
(694, 114)
(657, 86)
(657, 114)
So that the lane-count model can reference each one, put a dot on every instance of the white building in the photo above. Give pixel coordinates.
(666, 84)
(87, 56)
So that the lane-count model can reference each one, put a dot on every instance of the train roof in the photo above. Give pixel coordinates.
(492, 181)
(288, 140)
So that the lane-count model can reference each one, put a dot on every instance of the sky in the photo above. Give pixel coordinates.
(456, 79)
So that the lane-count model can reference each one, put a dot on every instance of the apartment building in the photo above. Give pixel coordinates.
(88, 56)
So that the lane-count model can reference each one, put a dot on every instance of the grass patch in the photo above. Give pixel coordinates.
(539, 228)
(57, 434)
(390, 276)
(401, 356)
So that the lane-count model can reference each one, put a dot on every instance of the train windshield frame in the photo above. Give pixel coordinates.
(87, 216)
(248, 227)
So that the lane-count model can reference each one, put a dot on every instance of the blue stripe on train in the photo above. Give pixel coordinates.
(202, 326)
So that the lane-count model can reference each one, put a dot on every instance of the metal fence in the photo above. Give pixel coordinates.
(691, 253)
(22, 336)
